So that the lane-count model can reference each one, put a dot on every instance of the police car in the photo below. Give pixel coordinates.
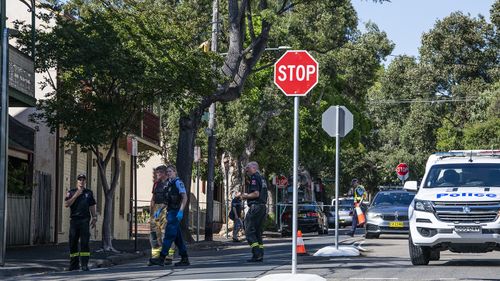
(457, 206)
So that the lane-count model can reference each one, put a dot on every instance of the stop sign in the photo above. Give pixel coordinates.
(296, 73)
(402, 171)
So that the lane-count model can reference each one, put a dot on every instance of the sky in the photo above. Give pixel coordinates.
(405, 21)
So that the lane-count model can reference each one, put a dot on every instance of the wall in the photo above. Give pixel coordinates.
(45, 142)
(85, 165)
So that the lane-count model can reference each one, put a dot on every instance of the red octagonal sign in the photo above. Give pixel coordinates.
(402, 169)
(296, 73)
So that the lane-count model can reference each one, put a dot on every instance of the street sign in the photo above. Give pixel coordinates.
(197, 154)
(329, 121)
(296, 73)
(402, 171)
(337, 121)
(281, 181)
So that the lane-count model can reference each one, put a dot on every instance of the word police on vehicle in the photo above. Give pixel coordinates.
(464, 194)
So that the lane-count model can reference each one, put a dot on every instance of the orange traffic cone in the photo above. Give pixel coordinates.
(361, 216)
(301, 248)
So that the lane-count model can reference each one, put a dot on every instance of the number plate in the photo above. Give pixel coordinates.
(467, 229)
(396, 224)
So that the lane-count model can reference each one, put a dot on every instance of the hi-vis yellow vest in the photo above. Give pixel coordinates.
(359, 193)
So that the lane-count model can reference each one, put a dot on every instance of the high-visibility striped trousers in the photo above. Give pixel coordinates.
(79, 232)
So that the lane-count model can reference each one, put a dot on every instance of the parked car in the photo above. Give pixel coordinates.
(310, 218)
(388, 213)
(345, 212)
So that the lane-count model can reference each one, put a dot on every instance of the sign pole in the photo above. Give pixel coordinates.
(295, 180)
(134, 156)
(198, 201)
(4, 131)
(337, 171)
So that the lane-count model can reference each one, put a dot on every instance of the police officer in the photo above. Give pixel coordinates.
(359, 194)
(176, 199)
(254, 220)
(158, 219)
(82, 204)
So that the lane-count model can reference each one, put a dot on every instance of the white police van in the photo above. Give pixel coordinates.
(457, 206)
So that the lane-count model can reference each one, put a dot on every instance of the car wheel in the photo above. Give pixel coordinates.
(372, 235)
(419, 255)
(435, 255)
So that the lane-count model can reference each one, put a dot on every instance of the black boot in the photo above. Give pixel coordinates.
(260, 254)
(184, 261)
(255, 255)
(157, 261)
(85, 262)
(74, 264)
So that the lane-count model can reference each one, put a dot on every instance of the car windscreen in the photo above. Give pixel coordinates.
(303, 207)
(463, 175)
(393, 199)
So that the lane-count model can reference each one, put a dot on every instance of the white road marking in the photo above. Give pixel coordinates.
(218, 279)
(373, 278)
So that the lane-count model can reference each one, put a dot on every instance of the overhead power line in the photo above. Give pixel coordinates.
(420, 101)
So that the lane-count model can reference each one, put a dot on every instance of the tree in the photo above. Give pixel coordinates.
(110, 65)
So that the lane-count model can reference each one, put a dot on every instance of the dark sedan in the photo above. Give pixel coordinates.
(388, 213)
(310, 218)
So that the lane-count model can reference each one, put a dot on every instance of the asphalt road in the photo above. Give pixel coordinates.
(385, 259)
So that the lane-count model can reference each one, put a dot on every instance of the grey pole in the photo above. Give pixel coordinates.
(277, 212)
(135, 203)
(227, 201)
(211, 137)
(4, 136)
(198, 201)
(295, 175)
(337, 170)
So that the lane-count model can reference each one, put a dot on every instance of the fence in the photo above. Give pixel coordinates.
(18, 219)
(218, 216)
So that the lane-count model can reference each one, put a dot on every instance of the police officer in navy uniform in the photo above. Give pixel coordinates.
(254, 220)
(158, 207)
(176, 199)
(82, 203)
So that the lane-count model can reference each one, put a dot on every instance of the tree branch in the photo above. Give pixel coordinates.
(250, 22)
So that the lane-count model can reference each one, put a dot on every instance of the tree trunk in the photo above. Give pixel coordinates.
(188, 126)
(107, 235)
(109, 191)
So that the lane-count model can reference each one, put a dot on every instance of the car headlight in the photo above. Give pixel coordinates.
(424, 206)
(373, 215)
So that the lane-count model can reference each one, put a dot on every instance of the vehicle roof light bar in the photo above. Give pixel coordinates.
(468, 153)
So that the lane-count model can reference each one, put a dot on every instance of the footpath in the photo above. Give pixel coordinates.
(23, 260)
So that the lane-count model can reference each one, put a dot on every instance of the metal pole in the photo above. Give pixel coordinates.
(277, 212)
(4, 136)
(198, 201)
(135, 204)
(227, 203)
(211, 138)
(33, 30)
(295, 175)
(337, 170)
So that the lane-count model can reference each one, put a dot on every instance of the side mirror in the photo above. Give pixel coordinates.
(411, 186)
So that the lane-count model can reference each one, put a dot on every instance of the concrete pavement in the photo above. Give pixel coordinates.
(384, 259)
(22, 260)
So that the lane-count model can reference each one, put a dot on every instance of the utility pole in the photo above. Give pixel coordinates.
(211, 135)
(4, 59)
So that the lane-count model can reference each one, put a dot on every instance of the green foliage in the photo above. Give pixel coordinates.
(458, 69)
(270, 222)
(484, 135)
